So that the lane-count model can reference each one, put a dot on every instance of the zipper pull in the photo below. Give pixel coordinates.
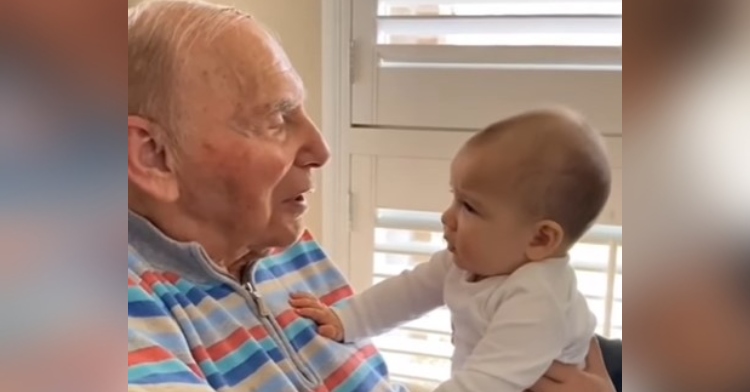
(258, 299)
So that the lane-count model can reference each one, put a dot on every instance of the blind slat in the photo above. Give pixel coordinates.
(500, 25)
(590, 3)
(477, 55)
(502, 7)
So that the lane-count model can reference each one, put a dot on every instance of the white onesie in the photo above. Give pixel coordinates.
(507, 330)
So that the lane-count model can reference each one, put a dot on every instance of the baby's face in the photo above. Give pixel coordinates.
(485, 227)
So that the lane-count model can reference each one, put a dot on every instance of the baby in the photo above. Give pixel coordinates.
(525, 190)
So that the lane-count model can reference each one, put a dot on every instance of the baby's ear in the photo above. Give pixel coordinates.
(546, 241)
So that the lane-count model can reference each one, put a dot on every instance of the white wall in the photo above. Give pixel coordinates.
(298, 25)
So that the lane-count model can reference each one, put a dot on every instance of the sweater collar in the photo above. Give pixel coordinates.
(187, 259)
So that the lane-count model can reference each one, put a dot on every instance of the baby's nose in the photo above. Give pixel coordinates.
(448, 219)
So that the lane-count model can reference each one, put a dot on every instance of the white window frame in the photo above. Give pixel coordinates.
(336, 44)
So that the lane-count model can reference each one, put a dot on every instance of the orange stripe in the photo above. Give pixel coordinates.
(287, 318)
(337, 295)
(150, 355)
(235, 341)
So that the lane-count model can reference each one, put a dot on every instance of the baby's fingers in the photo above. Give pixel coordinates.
(305, 302)
(331, 332)
(320, 316)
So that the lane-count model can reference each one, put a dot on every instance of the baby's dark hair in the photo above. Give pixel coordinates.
(563, 173)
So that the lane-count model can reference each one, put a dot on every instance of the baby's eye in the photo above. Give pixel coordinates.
(468, 207)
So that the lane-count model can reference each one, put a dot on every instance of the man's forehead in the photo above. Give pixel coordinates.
(248, 61)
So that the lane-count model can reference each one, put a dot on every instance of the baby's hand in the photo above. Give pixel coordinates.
(310, 307)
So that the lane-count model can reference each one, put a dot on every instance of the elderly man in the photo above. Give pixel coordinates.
(220, 158)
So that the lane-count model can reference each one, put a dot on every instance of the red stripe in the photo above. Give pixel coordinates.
(337, 295)
(235, 341)
(347, 369)
(132, 283)
(286, 318)
(171, 278)
(152, 279)
(150, 355)
(200, 354)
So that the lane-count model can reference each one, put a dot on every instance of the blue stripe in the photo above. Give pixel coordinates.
(275, 271)
(136, 294)
(146, 370)
(185, 377)
(192, 293)
(325, 281)
(145, 309)
(243, 370)
(219, 292)
(247, 350)
(300, 334)
(216, 381)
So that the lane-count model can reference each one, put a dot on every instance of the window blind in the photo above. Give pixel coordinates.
(501, 22)
(460, 65)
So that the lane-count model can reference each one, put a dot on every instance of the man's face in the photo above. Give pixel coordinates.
(247, 161)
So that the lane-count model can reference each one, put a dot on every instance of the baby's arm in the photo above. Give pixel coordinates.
(526, 334)
(382, 307)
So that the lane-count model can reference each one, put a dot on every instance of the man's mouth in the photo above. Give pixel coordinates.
(300, 197)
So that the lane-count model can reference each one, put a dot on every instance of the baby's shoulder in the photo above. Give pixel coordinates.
(553, 277)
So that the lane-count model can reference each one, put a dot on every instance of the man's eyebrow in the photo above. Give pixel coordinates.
(287, 105)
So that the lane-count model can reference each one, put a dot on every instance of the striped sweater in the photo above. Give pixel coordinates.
(192, 328)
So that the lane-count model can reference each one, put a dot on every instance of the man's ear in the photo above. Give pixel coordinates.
(151, 164)
(547, 238)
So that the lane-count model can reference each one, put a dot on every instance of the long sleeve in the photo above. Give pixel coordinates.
(396, 300)
(526, 334)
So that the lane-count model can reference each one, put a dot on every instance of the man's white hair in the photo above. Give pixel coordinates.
(160, 35)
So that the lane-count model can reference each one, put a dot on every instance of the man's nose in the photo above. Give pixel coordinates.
(314, 152)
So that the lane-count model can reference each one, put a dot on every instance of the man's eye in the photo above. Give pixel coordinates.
(277, 123)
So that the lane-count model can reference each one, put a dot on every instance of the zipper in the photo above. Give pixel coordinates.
(307, 377)
(278, 335)
(258, 300)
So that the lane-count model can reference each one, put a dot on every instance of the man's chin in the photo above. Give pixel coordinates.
(285, 236)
